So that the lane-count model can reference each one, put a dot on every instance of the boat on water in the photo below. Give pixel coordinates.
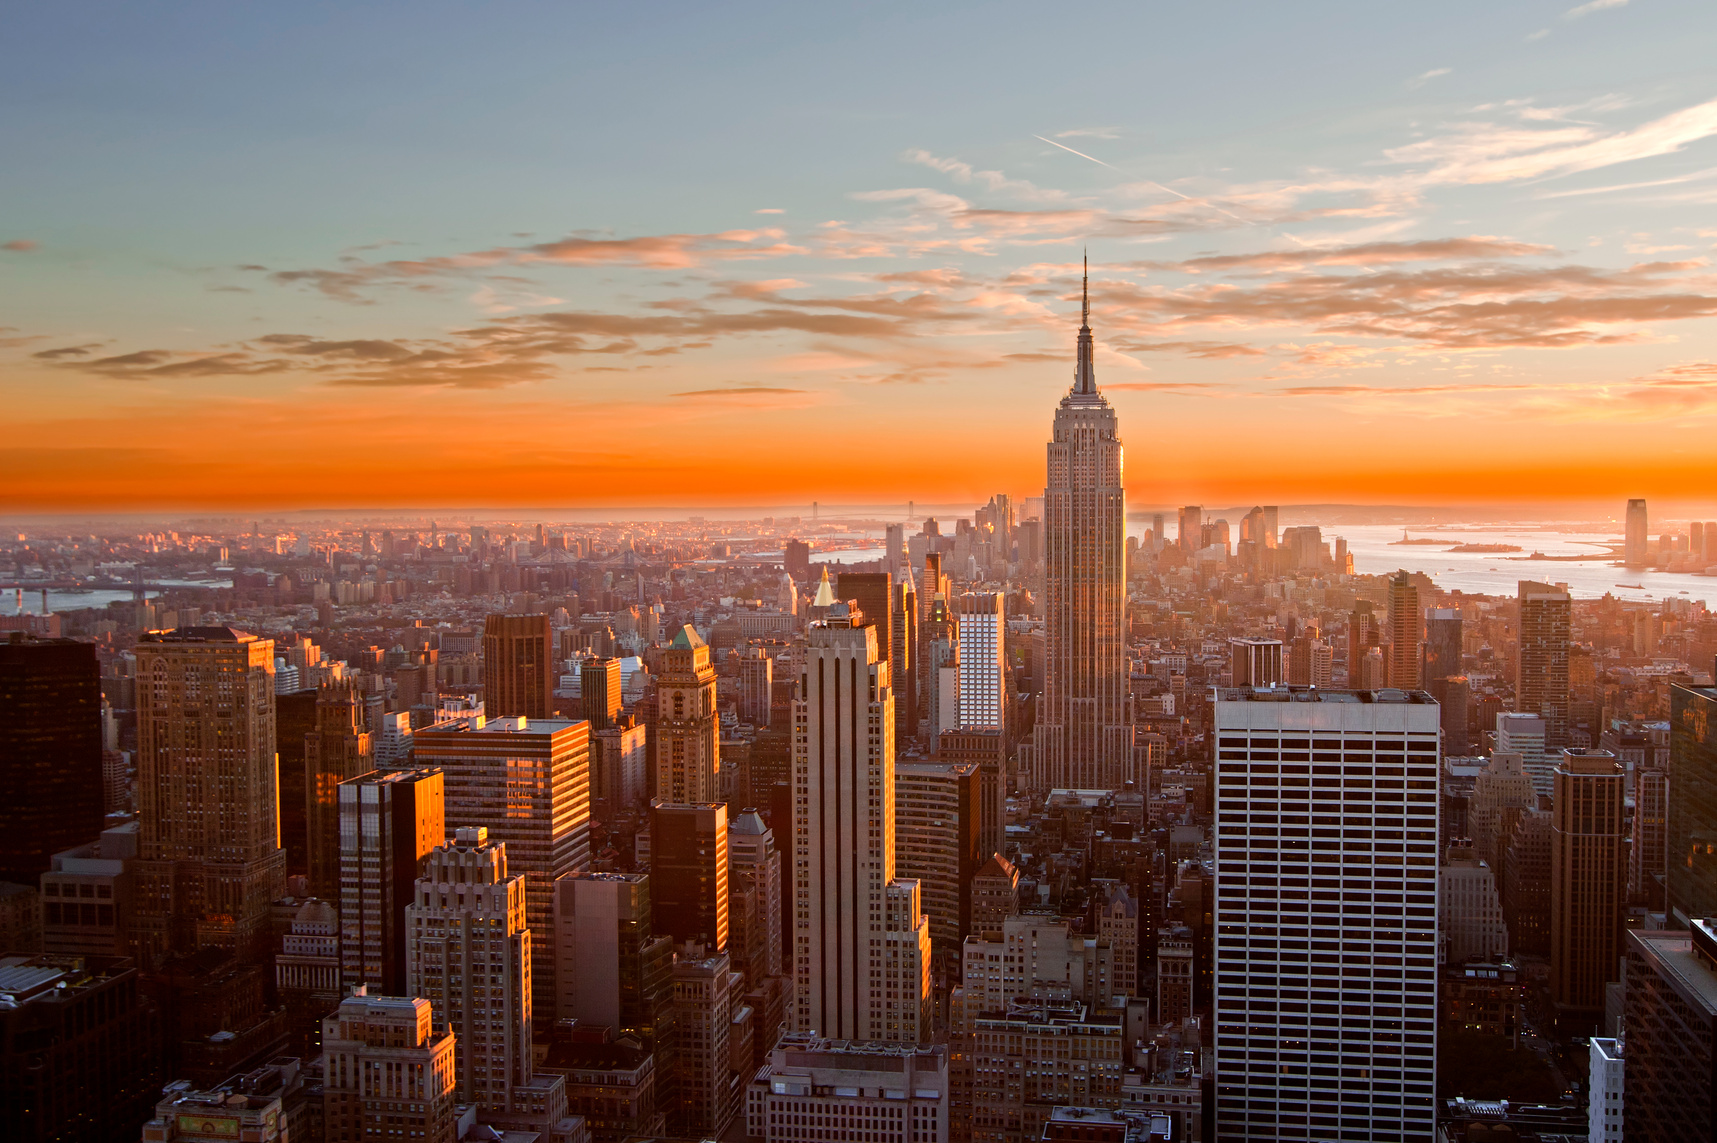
(1635, 586)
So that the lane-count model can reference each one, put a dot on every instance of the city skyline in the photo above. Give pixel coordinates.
(1504, 223)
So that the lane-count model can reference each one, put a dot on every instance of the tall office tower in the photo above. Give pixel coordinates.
(1270, 528)
(936, 841)
(1256, 662)
(50, 752)
(1669, 1017)
(1541, 685)
(1648, 847)
(688, 729)
(861, 944)
(388, 1072)
(1442, 643)
(982, 639)
(1526, 735)
(388, 824)
(338, 750)
(599, 691)
(619, 757)
(756, 686)
(796, 559)
(688, 872)
(994, 895)
(528, 781)
(1082, 738)
(874, 593)
(1502, 784)
(1454, 699)
(1587, 879)
(618, 972)
(1634, 540)
(1525, 871)
(209, 861)
(903, 656)
(294, 721)
(1369, 867)
(754, 867)
(1118, 923)
(705, 1097)
(940, 642)
(1406, 630)
(893, 549)
(1190, 536)
(1690, 878)
(469, 954)
(518, 666)
(882, 1093)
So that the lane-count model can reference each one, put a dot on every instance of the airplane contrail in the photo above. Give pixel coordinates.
(1152, 182)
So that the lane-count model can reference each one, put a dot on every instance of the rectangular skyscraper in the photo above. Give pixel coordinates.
(1256, 662)
(1690, 873)
(688, 729)
(861, 944)
(518, 666)
(1407, 633)
(388, 824)
(50, 752)
(1546, 616)
(1082, 737)
(599, 691)
(1634, 540)
(209, 862)
(338, 749)
(528, 781)
(1326, 855)
(1586, 884)
(688, 872)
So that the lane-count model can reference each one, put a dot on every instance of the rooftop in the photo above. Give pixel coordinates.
(1324, 695)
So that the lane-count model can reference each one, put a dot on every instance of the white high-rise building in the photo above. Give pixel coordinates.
(1326, 914)
(1604, 1094)
(1524, 734)
(861, 943)
(983, 661)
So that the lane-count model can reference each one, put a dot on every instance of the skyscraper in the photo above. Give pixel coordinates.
(388, 824)
(1082, 737)
(387, 1065)
(861, 944)
(1256, 662)
(983, 660)
(469, 953)
(1190, 533)
(1406, 632)
(528, 781)
(1670, 1019)
(618, 972)
(688, 729)
(518, 666)
(1586, 884)
(754, 867)
(599, 691)
(50, 752)
(338, 749)
(688, 872)
(209, 863)
(936, 814)
(1546, 615)
(1292, 908)
(1634, 540)
(1442, 656)
(1690, 874)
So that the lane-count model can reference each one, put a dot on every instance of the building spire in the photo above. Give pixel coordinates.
(1085, 375)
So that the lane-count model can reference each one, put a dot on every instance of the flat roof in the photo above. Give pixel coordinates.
(1672, 954)
(1284, 693)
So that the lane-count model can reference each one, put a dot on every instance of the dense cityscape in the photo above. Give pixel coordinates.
(1014, 826)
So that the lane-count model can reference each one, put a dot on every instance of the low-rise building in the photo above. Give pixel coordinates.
(814, 1089)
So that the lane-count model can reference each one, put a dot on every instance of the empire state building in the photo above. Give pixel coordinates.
(1082, 739)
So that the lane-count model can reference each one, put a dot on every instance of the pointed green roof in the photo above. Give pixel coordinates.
(686, 638)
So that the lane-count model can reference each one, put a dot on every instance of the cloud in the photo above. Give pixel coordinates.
(1363, 255)
(1486, 152)
(769, 210)
(67, 351)
(1206, 349)
(1388, 390)
(20, 244)
(1425, 77)
(1160, 386)
(738, 391)
(1592, 6)
(1538, 35)
(1090, 133)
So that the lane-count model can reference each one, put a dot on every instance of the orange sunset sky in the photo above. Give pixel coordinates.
(268, 260)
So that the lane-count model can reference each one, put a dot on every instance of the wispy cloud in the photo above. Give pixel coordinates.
(1425, 77)
(20, 245)
(1592, 6)
(1090, 133)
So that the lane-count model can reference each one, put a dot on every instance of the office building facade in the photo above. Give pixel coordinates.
(1587, 880)
(1326, 852)
(518, 666)
(50, 752)
(1541, 670)
(688, 730)
(1690, 873)
(688, 872)
(209, 862)
(389, 823)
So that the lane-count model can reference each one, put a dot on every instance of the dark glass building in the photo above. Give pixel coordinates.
(688, 872)
(50, 752)
(1670, 1017)
(1690, 876)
